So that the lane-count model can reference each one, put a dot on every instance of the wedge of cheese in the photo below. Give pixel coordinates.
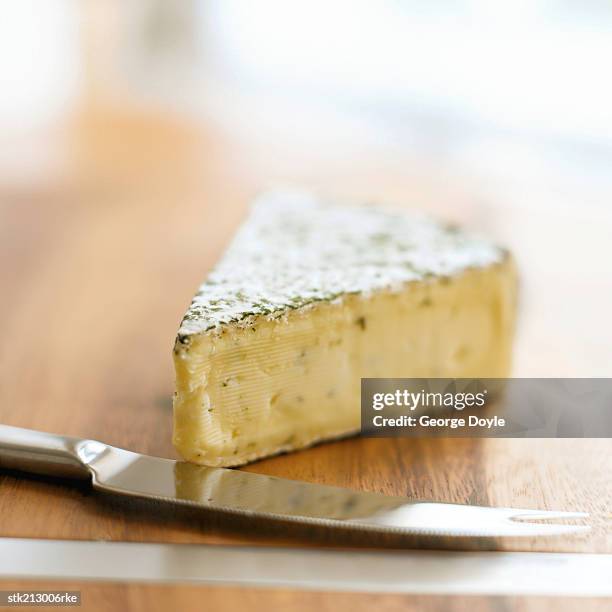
(311, 297)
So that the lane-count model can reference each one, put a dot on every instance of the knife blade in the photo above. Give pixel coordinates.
(123, 472)
(433, 572)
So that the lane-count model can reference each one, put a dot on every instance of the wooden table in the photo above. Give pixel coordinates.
(109, 221)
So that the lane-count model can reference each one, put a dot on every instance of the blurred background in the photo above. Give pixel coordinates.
(133, 135)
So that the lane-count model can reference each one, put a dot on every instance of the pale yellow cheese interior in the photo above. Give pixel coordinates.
(283, 384)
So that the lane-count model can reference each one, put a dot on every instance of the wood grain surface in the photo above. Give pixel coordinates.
(109, 221)
(110, 597)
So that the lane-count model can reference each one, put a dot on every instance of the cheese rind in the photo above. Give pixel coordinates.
(309, 299)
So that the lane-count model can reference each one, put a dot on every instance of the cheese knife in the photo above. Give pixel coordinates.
(122, 472)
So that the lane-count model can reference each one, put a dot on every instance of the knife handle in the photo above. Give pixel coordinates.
(41, 453)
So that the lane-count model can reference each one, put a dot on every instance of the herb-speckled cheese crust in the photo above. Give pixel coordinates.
(296, 250)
